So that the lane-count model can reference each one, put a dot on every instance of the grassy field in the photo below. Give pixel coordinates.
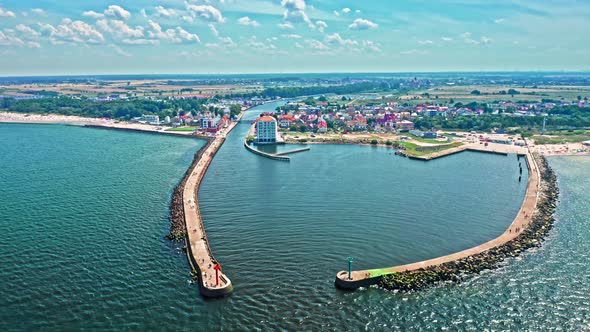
(425, 140)
(561, 137)
(182, 129)
(417, 150)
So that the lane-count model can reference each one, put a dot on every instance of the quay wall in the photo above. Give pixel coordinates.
(264, 154)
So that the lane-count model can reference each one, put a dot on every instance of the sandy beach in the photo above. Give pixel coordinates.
(6, 117)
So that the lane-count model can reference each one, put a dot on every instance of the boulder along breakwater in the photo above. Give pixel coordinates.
(176, 216)
(541, 223)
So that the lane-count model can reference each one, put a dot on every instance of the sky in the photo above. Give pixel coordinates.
(64, 37)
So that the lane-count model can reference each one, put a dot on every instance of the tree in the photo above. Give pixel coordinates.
(302, 128)
(476, 92)
(374, 142)
(323, 99)
(579, 98)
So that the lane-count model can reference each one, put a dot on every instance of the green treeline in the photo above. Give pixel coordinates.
(115, 109)
(292, 92)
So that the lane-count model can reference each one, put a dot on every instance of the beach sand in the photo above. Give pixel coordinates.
(6, 117)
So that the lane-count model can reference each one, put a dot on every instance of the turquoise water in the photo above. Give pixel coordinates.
(84, 213)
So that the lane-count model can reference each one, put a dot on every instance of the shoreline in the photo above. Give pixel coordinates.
(99, 123)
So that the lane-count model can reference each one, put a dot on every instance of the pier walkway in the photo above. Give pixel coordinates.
(523, 219)
(199, 253)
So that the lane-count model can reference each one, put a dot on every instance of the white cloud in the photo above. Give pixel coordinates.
(7, 38)
(321, 25)
(205, 12)
(295, 12)
(27, 31)
(119, 28)
(358, 11)
(346, 10)
(118, 12)
(72, 32)
(485, 40)
(447, 39)
(247, 21)
(413, 52)
(425, 42)
(498, 21)
(362, 24)
(119, 50)
(371, 46)
(92, 14)
(6, 13)
(178, 35)
(140, 41)
(337, 13)
(316, 45)
(38, 11)
(213, 29)
(292, 36)
(286, 25)
(165, 12)
(337, 39)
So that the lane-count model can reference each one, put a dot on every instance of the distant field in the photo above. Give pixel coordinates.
(138, 88)
(490, 93)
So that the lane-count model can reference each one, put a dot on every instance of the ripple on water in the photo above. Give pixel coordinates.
(94, 258)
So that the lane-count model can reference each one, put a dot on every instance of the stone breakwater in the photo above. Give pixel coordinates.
(176, 216)
(541, 223)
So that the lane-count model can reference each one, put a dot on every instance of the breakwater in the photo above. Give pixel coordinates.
(205, 268)
(533, 219)
(176, 214)
(539, 226)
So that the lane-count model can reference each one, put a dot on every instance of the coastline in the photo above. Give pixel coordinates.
(26, 118)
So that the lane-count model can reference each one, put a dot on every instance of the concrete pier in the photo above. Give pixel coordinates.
(367, 278)
(199, 253)
(292, 151)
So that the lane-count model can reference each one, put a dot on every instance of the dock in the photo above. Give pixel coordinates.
(292, 151)
(367, 278)
(212, 281)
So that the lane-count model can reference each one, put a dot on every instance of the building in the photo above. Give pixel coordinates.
(404, 125)
(322, 126)
(151, 119)
(210, 124)
(266, 130)
(429, 134)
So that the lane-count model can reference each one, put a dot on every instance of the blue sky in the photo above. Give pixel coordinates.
(50, 37)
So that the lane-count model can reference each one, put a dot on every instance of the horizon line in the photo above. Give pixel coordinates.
(585, 71)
